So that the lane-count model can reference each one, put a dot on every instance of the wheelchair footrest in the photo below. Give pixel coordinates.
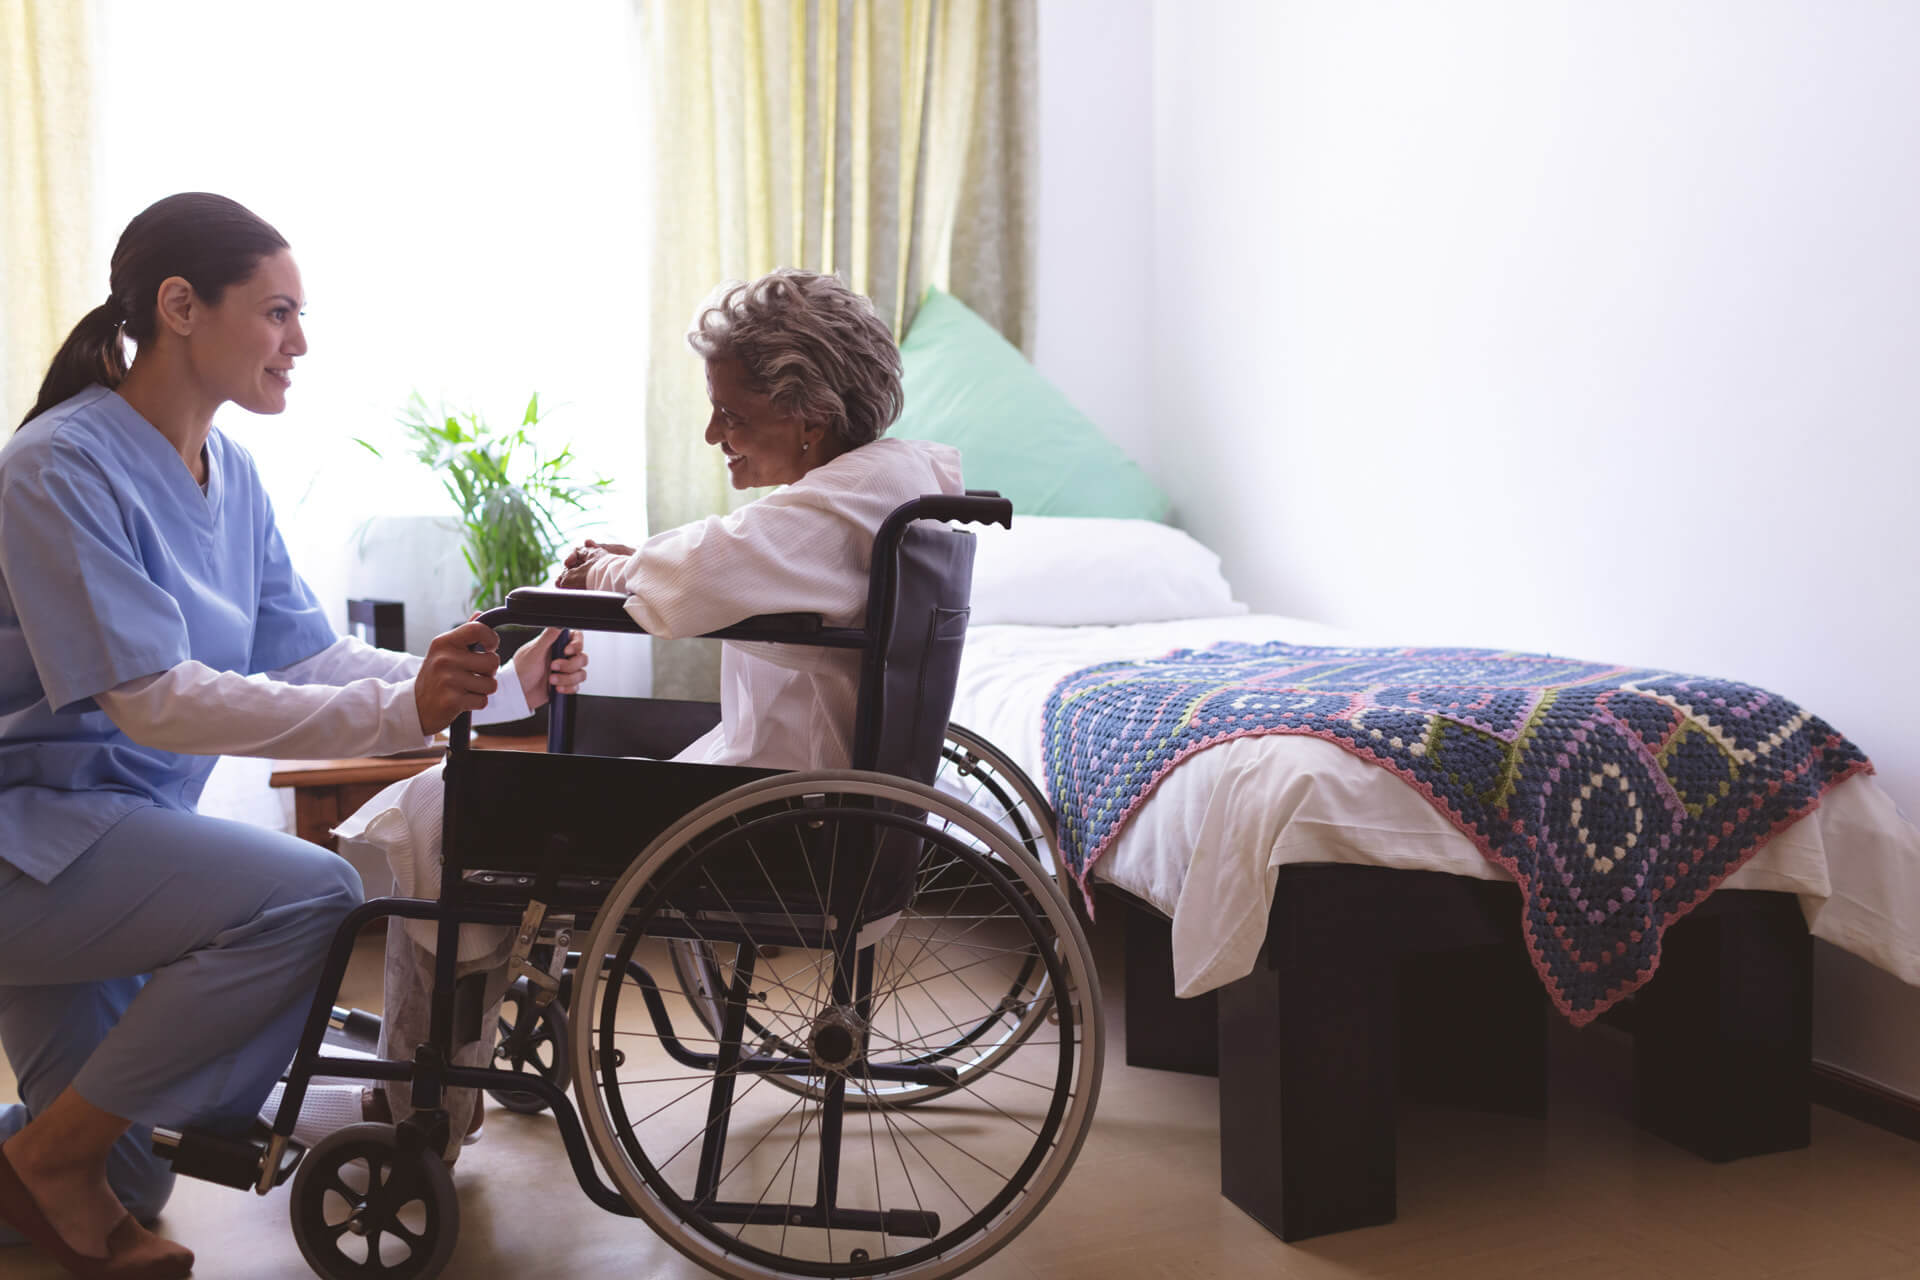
(356, 1025)
(231, 1162)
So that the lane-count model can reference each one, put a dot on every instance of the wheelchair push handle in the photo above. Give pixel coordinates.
(976, 506)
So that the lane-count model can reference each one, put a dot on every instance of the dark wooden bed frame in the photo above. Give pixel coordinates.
(1369, 970)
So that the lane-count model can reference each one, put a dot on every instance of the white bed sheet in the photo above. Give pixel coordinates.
(1206, 846)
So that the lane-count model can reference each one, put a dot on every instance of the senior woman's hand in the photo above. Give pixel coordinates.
(576, 570)
(564, 674)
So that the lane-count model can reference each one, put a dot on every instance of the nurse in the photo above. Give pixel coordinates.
(155, 965)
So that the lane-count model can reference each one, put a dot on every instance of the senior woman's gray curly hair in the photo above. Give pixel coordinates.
(812, 345)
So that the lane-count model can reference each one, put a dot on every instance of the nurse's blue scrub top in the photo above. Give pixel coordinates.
(115, 565)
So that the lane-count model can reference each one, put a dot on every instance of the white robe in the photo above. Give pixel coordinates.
(804, 548)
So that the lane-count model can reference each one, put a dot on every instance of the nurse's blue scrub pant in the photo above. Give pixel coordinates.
(166, 975)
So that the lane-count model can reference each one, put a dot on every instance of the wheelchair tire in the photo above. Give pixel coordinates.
(753, 1182)
(347, 1229)
(548, 1056)
(978, 774)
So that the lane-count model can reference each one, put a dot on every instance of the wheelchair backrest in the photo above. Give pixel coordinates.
(917, 624)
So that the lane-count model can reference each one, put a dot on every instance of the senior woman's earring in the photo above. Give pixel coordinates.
(805, 445)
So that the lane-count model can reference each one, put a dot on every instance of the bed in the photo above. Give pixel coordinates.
(1280, 884)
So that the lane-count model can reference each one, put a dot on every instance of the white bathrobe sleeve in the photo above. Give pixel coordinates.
(801, 549)
(714, 572)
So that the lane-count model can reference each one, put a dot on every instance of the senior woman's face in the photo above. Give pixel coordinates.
(763, 445)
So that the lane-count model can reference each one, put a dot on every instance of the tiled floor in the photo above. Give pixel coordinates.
(1579, 1197)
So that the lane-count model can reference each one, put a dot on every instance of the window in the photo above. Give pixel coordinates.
(464, 188)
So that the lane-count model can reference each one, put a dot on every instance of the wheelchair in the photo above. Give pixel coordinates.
(778, 970)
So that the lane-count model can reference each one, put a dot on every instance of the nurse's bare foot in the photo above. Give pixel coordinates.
(76, 1202)
(134, 1246)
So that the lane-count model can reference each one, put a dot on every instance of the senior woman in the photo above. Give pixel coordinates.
(804, 381)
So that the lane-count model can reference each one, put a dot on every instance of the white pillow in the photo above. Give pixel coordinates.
(1068, 571)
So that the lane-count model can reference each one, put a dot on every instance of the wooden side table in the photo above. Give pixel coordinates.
(326, 792)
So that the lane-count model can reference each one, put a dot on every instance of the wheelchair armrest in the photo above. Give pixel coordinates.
(606, 611)
(553, 607)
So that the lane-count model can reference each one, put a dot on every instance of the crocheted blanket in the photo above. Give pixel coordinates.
(1616, 797)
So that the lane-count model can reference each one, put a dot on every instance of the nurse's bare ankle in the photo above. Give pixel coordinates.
(74, 1198)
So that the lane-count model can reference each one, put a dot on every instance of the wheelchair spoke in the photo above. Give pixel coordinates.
(777, 897)
(792, 1154)
(893, 1135)
(798, 1102)
(948, 971)
(951, 971)
(969, 946)
(701, 1133)
(949, 915)
(879, 1187)
(703, 1083)
(935, 1000)
(888, 1112)
(799, 998)
(793, 1178)
(908, 1115)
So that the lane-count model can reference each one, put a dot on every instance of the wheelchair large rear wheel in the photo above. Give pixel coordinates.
(976, 773)
(794, 886)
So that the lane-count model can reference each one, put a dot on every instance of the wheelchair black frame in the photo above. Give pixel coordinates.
(462, 902)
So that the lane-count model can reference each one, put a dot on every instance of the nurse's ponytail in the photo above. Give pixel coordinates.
(207, 240)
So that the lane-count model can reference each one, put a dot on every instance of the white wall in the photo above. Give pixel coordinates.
(1590, 328)
(1094, 230)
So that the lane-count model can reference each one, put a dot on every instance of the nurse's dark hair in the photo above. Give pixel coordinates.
(207, 240)
(812, 345)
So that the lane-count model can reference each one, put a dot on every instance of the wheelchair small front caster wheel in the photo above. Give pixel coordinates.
(365, 1209)
(544, 1053)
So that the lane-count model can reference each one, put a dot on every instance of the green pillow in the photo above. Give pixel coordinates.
(969, 387)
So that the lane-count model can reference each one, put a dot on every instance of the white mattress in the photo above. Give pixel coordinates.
(1205, 846)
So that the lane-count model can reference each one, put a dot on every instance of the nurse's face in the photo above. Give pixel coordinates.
(762, 444)
(243, 349)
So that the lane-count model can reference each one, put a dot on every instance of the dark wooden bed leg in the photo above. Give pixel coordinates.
(1723, 1037)
(1473, 1030)
(1164, 1032)
(1307, 1077)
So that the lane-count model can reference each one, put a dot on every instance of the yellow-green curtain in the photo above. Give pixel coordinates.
(46, 189)
(887, 141)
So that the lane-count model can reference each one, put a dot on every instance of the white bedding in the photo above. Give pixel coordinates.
(1205, 846)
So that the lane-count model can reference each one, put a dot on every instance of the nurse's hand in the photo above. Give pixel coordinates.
(564, 673)
(454, 678)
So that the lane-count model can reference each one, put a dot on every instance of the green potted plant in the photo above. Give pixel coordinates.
(511, 494)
